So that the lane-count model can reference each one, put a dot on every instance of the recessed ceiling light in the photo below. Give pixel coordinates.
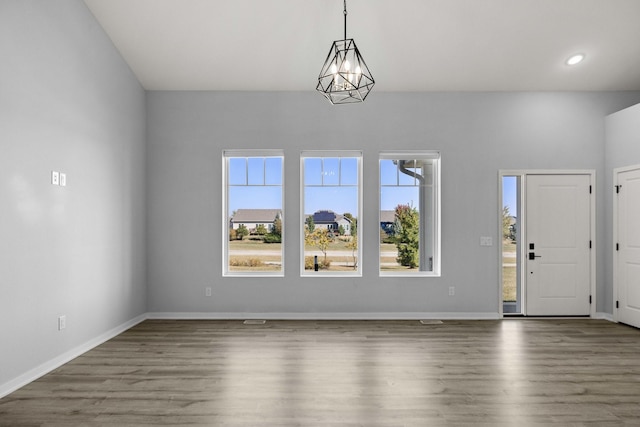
(575, 59)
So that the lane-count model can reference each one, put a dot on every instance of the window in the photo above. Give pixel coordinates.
(331, 200)
(253, 214)
(409, 214)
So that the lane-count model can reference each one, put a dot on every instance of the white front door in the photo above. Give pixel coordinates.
(557, 257)
(628, 246)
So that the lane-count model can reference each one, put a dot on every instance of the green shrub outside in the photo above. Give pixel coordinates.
(272, 238)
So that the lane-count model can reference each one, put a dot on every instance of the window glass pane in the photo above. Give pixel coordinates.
(335, 199)
(255, 198)
(388, 172)
(237, 171)
(313, 171)
(273, 175)
(349, 171)
(390, 197)
(256, 170)
(406, 169)
(408, 217)
(330, 171)
(253, 217)
(330, 217)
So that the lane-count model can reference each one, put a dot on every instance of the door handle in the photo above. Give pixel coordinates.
(532, 256)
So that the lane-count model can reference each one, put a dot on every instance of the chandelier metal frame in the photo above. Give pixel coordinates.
(345, 77)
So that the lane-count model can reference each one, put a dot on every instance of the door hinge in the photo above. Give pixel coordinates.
(590, 299)
(617, 246)
(589, 189)
(618, 187)
(590, 244)
(617, 304)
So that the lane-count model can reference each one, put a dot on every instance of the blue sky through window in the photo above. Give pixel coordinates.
(254, 183)
(338, 199)
(397, 188)
(330, 184)
(509, 194)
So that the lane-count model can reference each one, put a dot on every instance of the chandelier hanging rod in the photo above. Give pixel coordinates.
(345, 19)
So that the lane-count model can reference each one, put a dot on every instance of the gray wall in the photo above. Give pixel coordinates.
(477, 133)
(622, 149)
(68, 102)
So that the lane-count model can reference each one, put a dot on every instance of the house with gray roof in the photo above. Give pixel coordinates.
(252, 218)
(332, 221)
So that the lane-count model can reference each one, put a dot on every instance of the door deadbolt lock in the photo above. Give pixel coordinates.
(532, 256)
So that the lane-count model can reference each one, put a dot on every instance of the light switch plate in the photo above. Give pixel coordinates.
(55, 178)
(63, 179)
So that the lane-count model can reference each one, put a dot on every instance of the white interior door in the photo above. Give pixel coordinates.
(558, 230)
(628, 246)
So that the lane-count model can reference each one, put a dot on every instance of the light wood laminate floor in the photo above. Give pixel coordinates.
(345, 373)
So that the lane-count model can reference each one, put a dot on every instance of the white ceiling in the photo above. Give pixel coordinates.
(409, 45)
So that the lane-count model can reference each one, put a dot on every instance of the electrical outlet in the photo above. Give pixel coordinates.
(63, 179)
(55, 178)
(452, 291)
(207, 291)
(62, 322)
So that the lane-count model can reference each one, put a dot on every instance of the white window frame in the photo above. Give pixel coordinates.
(226, 155)
(436, 228)
(331, 154)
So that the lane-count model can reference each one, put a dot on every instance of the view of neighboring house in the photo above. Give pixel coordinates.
(252, 218)
(387, 218)
(332, 221)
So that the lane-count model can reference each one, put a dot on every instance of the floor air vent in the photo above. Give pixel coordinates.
(431, 322)
(254, 322)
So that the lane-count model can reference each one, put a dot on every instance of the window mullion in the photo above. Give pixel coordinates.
(246, 171)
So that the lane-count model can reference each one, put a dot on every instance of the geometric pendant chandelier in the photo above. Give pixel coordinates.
(344, 77)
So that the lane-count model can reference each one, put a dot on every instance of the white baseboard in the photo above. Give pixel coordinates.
(323, 316)
(56, 362)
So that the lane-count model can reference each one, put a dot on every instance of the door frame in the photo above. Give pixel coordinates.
(617, 171)
(522, 217)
